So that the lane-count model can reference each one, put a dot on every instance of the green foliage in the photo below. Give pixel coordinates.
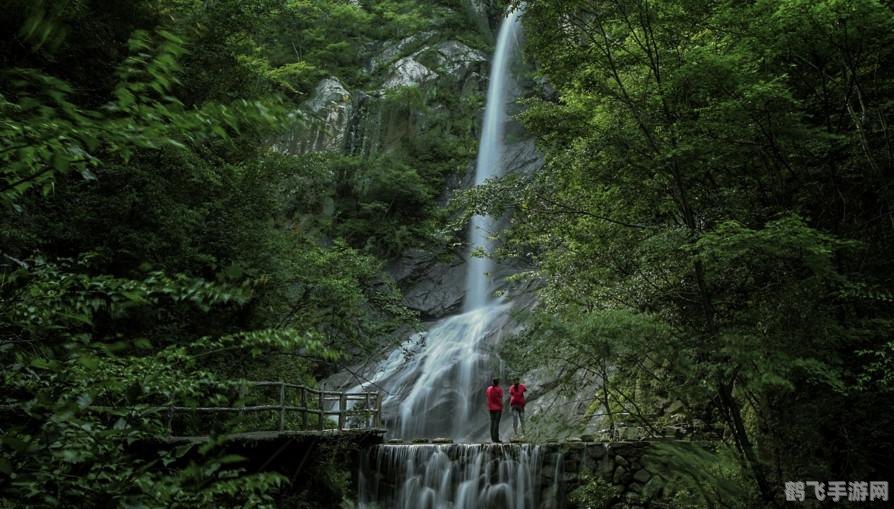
(695, 475)
(380, 203)
(594, 492)
(328, 478)
(42, 28)
(290, 44)
(155, 249)
(76, 403)
(46, 134)
(794, 266)
(716, 170)
(49, 299)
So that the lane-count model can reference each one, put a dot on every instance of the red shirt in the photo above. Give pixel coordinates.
(494, 398)
(517, 395)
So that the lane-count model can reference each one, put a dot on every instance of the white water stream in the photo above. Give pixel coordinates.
(459, 476)
(479, 279)
(435, 382)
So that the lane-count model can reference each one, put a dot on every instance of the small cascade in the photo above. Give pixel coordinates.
(457, 476)
(433, 383)
(452, 368)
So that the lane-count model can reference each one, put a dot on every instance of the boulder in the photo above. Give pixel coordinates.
(596, 451)
(653, 488)
(432, 284)
(441, 294)
(329, 95)
(621, 475)
(321, 122)
(455, 58)
(394, 50)
(523, 157)
(571, 463)
(606, 467)
(642, 476)
(408, 72)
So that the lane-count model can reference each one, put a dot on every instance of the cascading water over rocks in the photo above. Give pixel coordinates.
(435, 381)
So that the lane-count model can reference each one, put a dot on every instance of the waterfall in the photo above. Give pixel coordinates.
(457, 476)
(490, 162)
(434, 382)
(452, 368)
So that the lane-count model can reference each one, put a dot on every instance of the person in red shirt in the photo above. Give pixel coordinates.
(494, 395)
(517, 404)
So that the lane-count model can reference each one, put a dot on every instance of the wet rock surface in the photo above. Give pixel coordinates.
(433, 283)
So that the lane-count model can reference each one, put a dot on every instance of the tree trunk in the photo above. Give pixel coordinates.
(733, 415)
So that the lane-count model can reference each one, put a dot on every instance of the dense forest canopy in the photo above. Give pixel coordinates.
(155, 248)
(713, 224)
(710, 234)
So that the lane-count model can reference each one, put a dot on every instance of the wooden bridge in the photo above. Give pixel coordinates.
(357, 412)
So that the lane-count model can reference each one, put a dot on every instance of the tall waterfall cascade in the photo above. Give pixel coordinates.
(434, 383)
(490, 162)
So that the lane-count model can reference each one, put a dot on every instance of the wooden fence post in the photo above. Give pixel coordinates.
(342, 409)
(378, 414)
(304, 405)
(282, 406)
(367, 414)
(322, 404)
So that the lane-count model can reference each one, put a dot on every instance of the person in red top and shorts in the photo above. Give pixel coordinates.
(494, 395)
(517, 404)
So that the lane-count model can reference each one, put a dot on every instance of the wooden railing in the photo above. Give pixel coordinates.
(312, 402)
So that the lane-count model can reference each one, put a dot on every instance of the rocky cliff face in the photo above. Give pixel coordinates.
(375, 120)
(365, 122)
(321, 122)
(409, 78)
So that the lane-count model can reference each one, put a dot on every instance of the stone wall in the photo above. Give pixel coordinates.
(619, 464)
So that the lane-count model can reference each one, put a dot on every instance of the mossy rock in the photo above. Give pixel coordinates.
(442, 440)
(421, 441)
